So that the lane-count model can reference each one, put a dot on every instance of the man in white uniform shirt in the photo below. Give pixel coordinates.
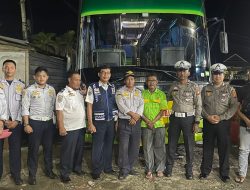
(71, 115)
(38, 105)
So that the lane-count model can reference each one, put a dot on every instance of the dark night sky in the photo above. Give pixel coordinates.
(59, 16)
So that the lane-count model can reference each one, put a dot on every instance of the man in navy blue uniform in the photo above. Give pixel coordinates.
(102, 113)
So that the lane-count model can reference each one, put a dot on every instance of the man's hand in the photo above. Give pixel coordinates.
(132, 122)
(150, 124)
(166, 113)
(28, 129)
(196, 128)
(91, 128)
(11, 124)
(116, 125)
(62, 131)
(135, 116)
(214, 119)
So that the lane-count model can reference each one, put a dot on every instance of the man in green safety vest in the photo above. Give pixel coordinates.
(153, 127)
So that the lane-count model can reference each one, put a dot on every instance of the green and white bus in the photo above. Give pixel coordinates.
(143, 36)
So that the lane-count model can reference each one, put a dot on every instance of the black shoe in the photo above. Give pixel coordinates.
(32, 180)
(203, 176)
(225, 178)
(133, 172)
(50, 174)
(167, 174)
(189, 176)
(111, 172)
(79, 173)
(96, 176)
(65, 179)
(18, 180)
(122, 176)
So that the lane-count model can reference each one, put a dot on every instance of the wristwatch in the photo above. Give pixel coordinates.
(26, 124)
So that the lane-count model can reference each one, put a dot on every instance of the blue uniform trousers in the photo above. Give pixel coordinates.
(102, 146)
(43, 133)
(72, 152)
(14, 152)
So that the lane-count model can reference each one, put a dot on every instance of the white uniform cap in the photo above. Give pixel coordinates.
(218, 68)
(182, 65)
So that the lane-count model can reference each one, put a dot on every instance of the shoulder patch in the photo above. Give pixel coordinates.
(60, 98)
(21, 81)
(1, 85)
(233, 93)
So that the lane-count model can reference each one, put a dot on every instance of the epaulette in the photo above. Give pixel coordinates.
(21, 81)
(62, 90)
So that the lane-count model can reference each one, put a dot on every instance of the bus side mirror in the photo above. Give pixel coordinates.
(223, 42)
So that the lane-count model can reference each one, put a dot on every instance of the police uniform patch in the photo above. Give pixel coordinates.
(197, 91)
(233, 93)
(174, 92)
(51, 92)
(35, 94)
(19, 89)
(60, 98)
(125, 94)
(209, 93)
(1, 86)
(90, 92)
(136, 93)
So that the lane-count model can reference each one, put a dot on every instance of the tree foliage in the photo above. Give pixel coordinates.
(63, 45)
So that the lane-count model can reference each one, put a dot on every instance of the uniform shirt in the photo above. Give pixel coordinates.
(3, 106)
(220, 101)
(129, 101)
(90, 95)
(71, 103)
(186, 98)
(153, 104)
(13, 94)
(38, 102)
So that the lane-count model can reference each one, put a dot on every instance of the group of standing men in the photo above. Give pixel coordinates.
(129, 111)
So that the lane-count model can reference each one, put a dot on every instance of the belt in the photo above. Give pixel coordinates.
(183, 114)
(39, 118)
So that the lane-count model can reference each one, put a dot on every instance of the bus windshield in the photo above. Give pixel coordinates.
(146, 40)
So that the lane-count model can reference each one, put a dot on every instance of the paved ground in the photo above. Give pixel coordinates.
(177, 181)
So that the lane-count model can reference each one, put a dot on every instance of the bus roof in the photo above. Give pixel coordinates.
(97, 7)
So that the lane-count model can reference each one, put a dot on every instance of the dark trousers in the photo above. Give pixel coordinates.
(14, 152)
(72, 152)
(129, 144)
(221, 133)
(43, 133)
(102, 146)
(176, 125)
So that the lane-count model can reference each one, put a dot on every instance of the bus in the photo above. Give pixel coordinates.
(144, 36)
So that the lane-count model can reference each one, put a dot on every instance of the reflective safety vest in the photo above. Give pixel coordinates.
(153, 104)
